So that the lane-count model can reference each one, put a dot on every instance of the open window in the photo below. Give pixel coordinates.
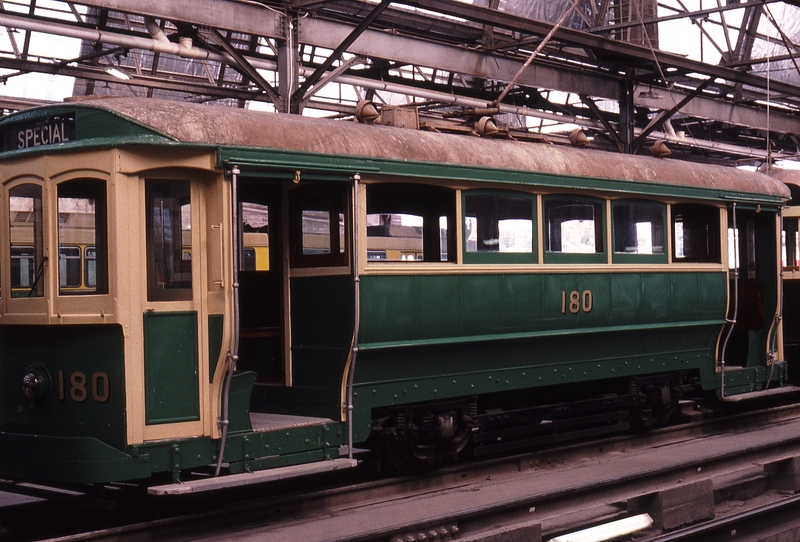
(82, 239)
(26, 251)
(169, 240)
(410, 222)
(499, 227)
(575, 230)
(319, 220)
(638, 228)
(696, 233)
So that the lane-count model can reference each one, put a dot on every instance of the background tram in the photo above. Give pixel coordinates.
(426, 296)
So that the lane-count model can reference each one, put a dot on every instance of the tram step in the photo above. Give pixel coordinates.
(249, 478)
(759, 394)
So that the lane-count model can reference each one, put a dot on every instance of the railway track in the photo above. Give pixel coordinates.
(714, 469)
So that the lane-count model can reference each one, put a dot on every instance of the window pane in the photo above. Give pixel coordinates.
(574, 226)
(696, 233)
(69, 267)
(638, 228)
(394, 237)
(316, 225)
(319, 226)
(169, 245)
(498, 224)
(25, 228)
(255, 236)
(410, 222)
(82, 224)
(790, 243)
(90, 259)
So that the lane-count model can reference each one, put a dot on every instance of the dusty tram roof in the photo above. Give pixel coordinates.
(213, 125)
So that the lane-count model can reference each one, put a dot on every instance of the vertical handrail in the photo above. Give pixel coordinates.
(732, 321)
(772, 339)
(233, 355)
(356, 319)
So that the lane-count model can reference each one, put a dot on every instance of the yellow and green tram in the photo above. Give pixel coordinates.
(191, 289)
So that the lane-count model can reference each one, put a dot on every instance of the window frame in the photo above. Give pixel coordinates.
(427, 200)
(491, 257)
(600, 227)
(38, 239)
(180, 293)
(625, 257)
(714, 235)
(339, 202)
(78, 188)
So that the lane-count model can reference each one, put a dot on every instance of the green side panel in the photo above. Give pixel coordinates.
(239, 402)
(403, 310)
(170, 367)
(215, 328)
(83, 382)
(67, 460)
(429, 338)
(322, 330)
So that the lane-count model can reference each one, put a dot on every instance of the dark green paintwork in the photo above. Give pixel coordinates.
(322, 329)
(95, 128)
(57, 438)
(239, 402)
(215, 329)
(428, 337)
(171, 367)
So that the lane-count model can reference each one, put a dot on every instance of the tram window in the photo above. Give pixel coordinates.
(410, 222)
(23, 267)
(790, 244)
(69, 267)
(696, 233)
(638, 229)
(25, 228)
(255, 236)
(90, 266)
(574, 226)
(169, 240)
(320, 227)
(82, 224)
(495, 223)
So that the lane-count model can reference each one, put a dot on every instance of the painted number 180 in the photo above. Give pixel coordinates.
(79, 387)
(575, 301)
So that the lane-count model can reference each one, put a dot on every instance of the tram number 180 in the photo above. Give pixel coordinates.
(80, 387)
(575, 301)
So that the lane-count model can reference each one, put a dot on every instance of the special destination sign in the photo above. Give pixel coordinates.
(39, 132)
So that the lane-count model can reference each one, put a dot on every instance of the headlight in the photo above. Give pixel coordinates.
(31, 384)
(35, 384)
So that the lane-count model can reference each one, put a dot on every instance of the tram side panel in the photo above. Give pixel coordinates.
(482, 334)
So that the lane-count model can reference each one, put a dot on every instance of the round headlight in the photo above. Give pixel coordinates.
(31, 385)
(36, 384)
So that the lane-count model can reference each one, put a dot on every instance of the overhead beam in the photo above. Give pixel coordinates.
(706, 108)
(405, 50)
(248, 18)
(621, 50)
(137, 81)
(667, 113)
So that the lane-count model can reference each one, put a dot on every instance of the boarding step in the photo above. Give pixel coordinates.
(759, 394)
(249, 478)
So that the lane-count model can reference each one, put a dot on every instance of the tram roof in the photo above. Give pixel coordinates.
(137, 121)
